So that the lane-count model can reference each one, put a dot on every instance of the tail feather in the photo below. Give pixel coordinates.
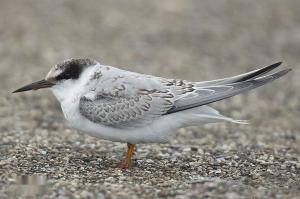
(203, 115)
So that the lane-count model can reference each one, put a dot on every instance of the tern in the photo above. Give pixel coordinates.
(122, 106)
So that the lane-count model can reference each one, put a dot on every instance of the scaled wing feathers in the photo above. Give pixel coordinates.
(126, 112)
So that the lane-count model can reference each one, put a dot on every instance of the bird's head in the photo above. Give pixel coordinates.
(62, 73)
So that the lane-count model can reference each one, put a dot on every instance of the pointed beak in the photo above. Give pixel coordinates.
(35, 86)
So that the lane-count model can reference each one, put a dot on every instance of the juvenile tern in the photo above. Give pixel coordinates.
(122, 106)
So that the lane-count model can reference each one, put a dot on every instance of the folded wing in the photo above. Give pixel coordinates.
(142, 99)
(126, 112)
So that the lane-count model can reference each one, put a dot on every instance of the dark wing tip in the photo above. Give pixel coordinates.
(271, 67)
(260, 72)
(277, 64)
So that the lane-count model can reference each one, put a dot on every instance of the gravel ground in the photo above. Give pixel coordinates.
(40, 155)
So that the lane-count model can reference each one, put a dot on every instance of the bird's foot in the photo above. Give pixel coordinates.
(125, 164)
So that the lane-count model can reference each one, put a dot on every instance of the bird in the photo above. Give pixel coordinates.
(122, 106)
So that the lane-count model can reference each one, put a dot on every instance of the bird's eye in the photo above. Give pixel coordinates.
(64, 76)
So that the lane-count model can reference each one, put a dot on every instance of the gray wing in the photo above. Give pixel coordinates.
(126, 112)
(208, 94)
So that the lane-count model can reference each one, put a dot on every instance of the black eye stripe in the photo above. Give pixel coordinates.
(72, 69)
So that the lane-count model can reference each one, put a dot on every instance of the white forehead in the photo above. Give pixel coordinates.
(54, 72)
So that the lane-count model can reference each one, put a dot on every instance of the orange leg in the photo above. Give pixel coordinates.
(126, 163)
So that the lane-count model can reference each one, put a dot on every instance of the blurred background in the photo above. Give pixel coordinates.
(194, 40)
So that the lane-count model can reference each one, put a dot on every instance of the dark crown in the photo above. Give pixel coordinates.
(72, 68)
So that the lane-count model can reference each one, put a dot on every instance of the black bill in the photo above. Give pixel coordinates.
(35, 86)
